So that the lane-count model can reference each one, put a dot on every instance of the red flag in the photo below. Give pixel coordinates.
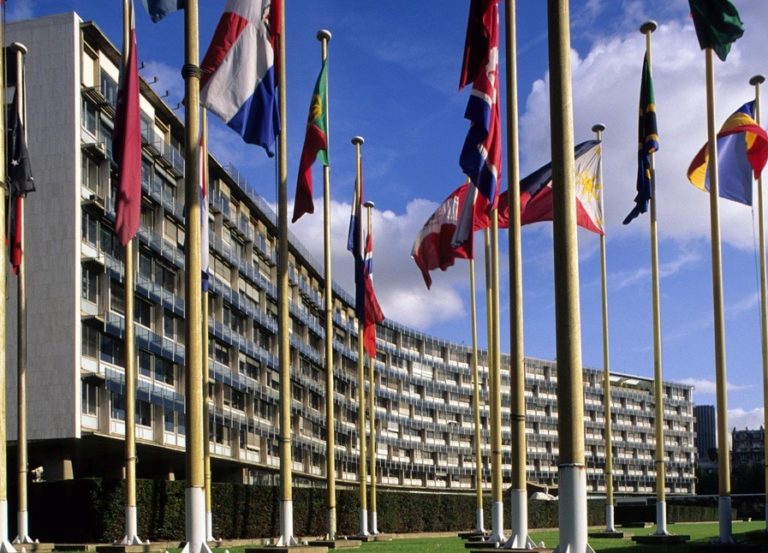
(373, 313)
(126, 139)
(432, 248)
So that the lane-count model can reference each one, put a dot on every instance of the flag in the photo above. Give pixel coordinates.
(480, 157)
(432, 248)
(647, 143)
(717, 24)
(536, 192)
(238, 80)
(315, 145)
(20, 179)
(742, 149)
(126, 139)
(355, 245)
(158, 9)
(372, 311)
(204, 251)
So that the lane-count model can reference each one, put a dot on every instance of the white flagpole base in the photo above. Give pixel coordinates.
(131, 527)
(519, 538)
(4, 523)
(497, 523)
(725, 519)
(480, 521)
(332, 523)
(374, 523)
(22, 521)
(363, 522)
(195, 521)
(661, 519)
(609, 524)
(286, 525)
(209, 526)
(572, 511)
(7, 547)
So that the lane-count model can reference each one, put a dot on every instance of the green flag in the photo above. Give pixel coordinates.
(717, 24)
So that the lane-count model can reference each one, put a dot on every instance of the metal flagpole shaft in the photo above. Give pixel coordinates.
(22, 533)
(518, 493)
(204, 357)
(193, 388)
(5, 546)
(358, 141)
(131, 529)
(570, 390)
(756, 81)
(324, 36)
(489, 355)
(284, 320)
(661, 511)
(372, 410)
(724, 463)
(609, 527)
(479, 522)
(497, 510)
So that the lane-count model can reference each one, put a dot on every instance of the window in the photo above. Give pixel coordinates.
(169, 418)
(90, 290)
(89, 118)
(117, 403)
(143, 413)
(112, 350)
(145, 363)
(90, 394)
(117, 297)
(91, 340)
(165, 371)
(171, 326)
(90, 229)
(148, 217)
(221, 353)
(109, 88)
(145, 265)
(90, 173)
(147, 130)
(147, 173)
(250, 367)
(166, 277)
(143, 313)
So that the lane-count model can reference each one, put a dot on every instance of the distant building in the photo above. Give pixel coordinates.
(748, 446)
(705, 426)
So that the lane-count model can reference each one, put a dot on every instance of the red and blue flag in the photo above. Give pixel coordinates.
(239, 78)
(480, 157)
(372, 311)
(355, 245)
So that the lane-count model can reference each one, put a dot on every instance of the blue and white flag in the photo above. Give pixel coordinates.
(239, 80)
(158, 9)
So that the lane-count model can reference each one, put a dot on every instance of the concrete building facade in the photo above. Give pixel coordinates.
(423, 385)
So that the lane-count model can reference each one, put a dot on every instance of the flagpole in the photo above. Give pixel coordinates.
(369, 205)
(22, 515)
(324, 36)
(5, 545)
(724, 462)
(518, 493)
(661, 509)
(479, 517)
(489, 355)
(193, 388)
(204, 330)
(131, 523)
(358, 141)
(598, 129)
(570, 389)
(497, 491)
(756, 81)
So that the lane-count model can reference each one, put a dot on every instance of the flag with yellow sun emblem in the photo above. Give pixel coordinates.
(315, 145)
(536, 191)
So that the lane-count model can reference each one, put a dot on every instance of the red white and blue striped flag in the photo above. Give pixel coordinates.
(373, 313)
(239, 78)
(481, 155)
(355, 245)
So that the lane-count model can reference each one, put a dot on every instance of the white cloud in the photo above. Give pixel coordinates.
(707, 387)
(606, 89)
(399, 285)
(669, 268)
(742, 418)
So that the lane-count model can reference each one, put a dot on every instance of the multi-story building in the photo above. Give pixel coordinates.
(748, 446)
(76, 321)
(705, 426)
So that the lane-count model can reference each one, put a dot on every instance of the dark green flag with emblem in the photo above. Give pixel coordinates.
(717, 23)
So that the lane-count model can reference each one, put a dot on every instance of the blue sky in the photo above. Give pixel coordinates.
(393, 74)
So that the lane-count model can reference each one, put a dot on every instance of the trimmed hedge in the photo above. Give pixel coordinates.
(92, 510)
